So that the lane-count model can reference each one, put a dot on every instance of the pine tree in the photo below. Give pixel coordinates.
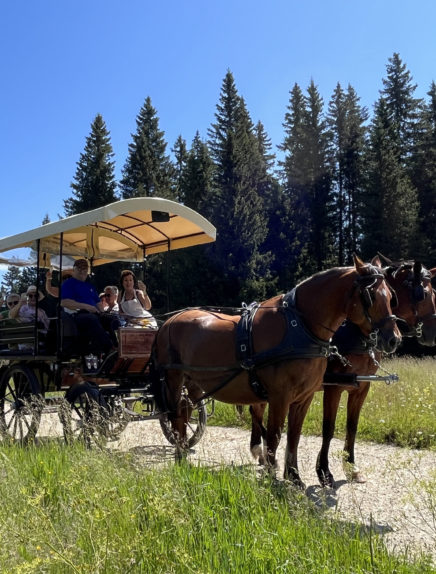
(181, 155)
(402, 107)
(94, 181)
(346, 123)
(307, 175)
(424, 177)
(236, 206)
(391, 207)
(294, 215)
(148, 171)
(197, 177)
(390, 198)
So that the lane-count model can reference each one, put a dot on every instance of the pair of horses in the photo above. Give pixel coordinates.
(414, 306)
(276, 352)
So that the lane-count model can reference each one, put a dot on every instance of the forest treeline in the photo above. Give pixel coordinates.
(342, 181)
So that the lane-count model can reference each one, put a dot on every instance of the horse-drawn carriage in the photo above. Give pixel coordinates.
(47, 371)
(274, 352)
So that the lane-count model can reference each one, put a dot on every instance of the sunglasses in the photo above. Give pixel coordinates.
(31, 295)
(107, 295)
(12, 303)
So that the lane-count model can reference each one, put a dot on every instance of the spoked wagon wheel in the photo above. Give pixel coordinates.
(84, 415)
(195, 427)
(118, 418)
(21, 404)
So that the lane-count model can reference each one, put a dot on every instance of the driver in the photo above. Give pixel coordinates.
(80, 299)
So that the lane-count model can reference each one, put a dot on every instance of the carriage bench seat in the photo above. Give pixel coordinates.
(17, 337)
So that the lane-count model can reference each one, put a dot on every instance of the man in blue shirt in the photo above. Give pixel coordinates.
(80, 298)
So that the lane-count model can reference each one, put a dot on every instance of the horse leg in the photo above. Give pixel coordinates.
(276, 420)
(177, 410)
(356, 398)
(296, 415)
(258, 433)
(331, 400)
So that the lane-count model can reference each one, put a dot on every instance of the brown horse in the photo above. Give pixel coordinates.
(283, 356)
(415, 308)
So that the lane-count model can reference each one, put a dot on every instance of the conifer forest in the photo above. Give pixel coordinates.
(343, 180)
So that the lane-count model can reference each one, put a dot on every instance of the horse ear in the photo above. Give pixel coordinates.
(385, 259)
(433, 272)
(376, 261)
(358, 263)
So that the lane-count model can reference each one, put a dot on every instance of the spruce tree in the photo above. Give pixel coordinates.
(181, 156)
(94, 181)
(295, 213)
(148, 171)
(390, 206)
(403, 108)
(197, 176)
(424, 178)
(235, 204)
(346, 120)
(390, 197)
(307, 175)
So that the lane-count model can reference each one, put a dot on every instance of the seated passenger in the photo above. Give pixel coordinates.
(134, 301)
(11, 301)
(110, 295)
(25, 310)
(80, 298)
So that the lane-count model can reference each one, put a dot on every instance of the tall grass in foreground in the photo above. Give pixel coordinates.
(73, 510)
(403, 413)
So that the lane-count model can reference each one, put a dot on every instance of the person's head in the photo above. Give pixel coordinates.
(128, 280)
(32, 293)
(102, 295)
(110, 295)
(81, 269)
(12, 299)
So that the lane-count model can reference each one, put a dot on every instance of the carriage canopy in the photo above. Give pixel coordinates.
(127, 230)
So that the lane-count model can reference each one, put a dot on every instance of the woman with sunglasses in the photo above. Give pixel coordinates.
(11, 301)
(110, 302)
(25, 310)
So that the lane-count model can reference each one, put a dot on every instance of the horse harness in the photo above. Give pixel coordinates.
(298, 342)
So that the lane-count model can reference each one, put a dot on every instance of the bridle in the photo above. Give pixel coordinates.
(414, 282)
(367, 285)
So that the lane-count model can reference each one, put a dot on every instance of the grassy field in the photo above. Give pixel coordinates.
(82, 511)
(72, 510)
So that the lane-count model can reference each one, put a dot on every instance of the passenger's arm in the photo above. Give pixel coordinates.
(76, 306)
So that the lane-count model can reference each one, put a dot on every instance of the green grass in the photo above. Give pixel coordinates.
(73, 510)
(402, 414)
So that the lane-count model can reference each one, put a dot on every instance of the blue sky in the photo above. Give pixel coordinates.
(64, 62)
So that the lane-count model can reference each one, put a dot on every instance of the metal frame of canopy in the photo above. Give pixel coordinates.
(126, 230)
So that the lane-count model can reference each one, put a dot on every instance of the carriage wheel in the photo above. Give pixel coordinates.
(118, 417)
(84, 415)
(21, 404)
(194, 428)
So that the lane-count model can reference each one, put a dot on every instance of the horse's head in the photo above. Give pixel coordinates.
(370, 306)
(415, 309)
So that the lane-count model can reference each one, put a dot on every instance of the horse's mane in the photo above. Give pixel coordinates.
(326, 274)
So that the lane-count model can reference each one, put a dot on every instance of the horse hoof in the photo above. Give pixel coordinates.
(256, 452)
(357, 476)
(325, 478)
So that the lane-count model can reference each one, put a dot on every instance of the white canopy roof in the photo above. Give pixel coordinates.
(125, 230)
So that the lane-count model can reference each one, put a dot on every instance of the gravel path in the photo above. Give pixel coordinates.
(391, 499)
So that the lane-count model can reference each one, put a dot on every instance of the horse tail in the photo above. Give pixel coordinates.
(158, 383)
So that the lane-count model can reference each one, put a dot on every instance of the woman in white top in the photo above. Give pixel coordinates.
(134, 300)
